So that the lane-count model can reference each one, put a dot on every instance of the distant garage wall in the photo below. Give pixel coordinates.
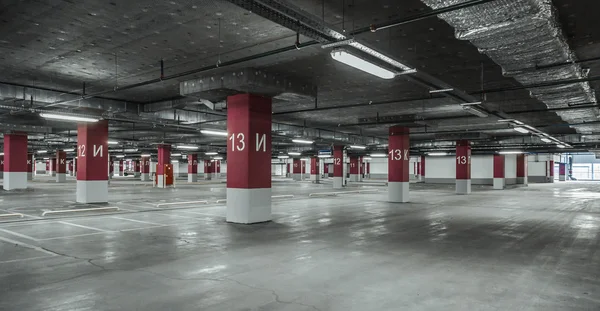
(379, 168)
(442, 170)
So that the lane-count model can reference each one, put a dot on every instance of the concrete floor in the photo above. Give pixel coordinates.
(534, 248)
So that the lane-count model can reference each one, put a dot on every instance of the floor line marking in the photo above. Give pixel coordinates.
(151, 227)
(178, 216)
(37, 248)
(206, 214)
(82, 226)
(140, 221)
(71, 236)
(19, 235)
(24, 259)
(139, 206)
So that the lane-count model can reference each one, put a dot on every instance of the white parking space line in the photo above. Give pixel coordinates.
(19, 235)
(82, 226)
(27, 245)
(134, 229)
(24, 259)
(138, 206)
(140, 221)
(198, 213)
(71, 236)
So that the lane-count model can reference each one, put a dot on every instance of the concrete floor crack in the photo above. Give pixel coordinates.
(89, 260)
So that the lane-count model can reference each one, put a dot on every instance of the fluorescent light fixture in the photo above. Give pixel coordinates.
(67, 117)
(324, 156)
(358, 147)
(437, 154)
(46, 158)
(187, 147)
(176, 154)
(440, 91)
(130, 150)
(546, 140)
(120, 156)
(213, 132)
(283, 157)
(475, 110)
(218, 158)
(470, 104)
(112, 142)
(367, 159)
(294, 153)
(69, 150)
(145, 155)
(302, 141)
(174, 161)
(344, 57)
(42, 151)
(378, 155)
(521, 129)
(561, 146)
(211, 153)
(510, 152)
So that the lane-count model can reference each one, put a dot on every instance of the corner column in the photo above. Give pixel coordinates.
(30, 165)
(463, 167)
(192, 167)
(145, 168)
(314, 170)
(422, 168)
(522, 169)
(354, 169)
(550, 170)
(338, 168)
(562, 171)
(164, 158)
(398, 164)
(217, 168)
(61, 166)
(297, 170)
(92, 158)
(249, 156)
(499, 178)
(15, 161)
(207, 170)
(53, 166)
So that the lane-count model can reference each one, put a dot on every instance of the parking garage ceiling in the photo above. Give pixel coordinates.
(126, 61)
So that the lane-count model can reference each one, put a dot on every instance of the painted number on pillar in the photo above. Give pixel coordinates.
(462, 160)
(352, 165)
(241, 144)
(98, 150)
(399, 154)
(337, 161)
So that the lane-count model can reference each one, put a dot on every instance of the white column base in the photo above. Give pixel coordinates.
(145, 177)
(325, 176)
(61, 177)
(360, 177)
(338, 183)
(92, 191)
(248, 206)
(136, 174)
(192, 177)
(15, 180)
(296, 177)
(160, 181)
(29, 176)
(2, 174)
(53, 174)
(314, 178)
(562, 178)
(398, 191)
(353, 177)
(463, 186)
(215, 176)
(121, 174)
(70, 173)
(522, 181)
(207, 176)
(499, 183)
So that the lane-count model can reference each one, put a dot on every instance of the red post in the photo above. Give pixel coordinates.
(398, 164)
(338, 167)
(92, 158)
(499, 178)
(463, 167)
(15, 161)
(61, 166)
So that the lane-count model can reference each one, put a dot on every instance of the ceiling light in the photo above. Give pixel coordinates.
(211, 153)
(324, 156)
(378, 155)
(67, 117)
(361, 64)
(120, 156)
(561, 146)
(145, 155)
(42, 151)
(112, 142)
(283, 157)
(358, 147)
(302, 141)
(367, 158)
(130, 150)
(440, 91)
(69, 150)
(187, 147)
(294, 153)
(213, 132)
(46, 158)
(218, 158)
(510, 152)
(437, 154)
(176, 154)
(546, 140)
(521, 129)
(174, 161)
(475, 110)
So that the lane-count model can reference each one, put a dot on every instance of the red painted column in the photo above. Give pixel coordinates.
(75, 166)
(71, 168)
(522, 169)
(53, 166)
(2, 166)
(249, 156)
(48, 167)
(398, 164)
(287, 170)
(354, 169)
(297, 170)
(207, 170)
(217, 169)
(325, 170)
(422, 164)
(61, 166)
(361, 168)
(30, 166)
(550, 168)
(92, 158)
(463, 167)
(15, 161)
(164, 158)
(111, 168)
(145, 168)
(499, 178)
(562, 171)
(121, 168)
(136, 168)
(314, 169)
(192, 167)
(338, 167)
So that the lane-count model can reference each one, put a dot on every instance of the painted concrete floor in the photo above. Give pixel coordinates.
(534, 248)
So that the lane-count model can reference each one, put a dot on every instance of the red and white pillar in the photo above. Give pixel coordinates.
(75, 166)
(562, 171)
(297, 170)
(145, 168)
(550, 170)
(164, 158)
(288, 172)
(53, 166)
(338, 167)
(463, 167)
(325, 170)
(398, 164)
(61, 166)
(499, 178)
(249, 156)
(48, 167)
(70, 168)
(361, 169)
(111, 168)
(15, 161)
(136, 168)
(192, 167)
(1, 166)
(207, 170)
(92, 158)
(121, 168)
(368, 169)
(354, 170)
(30, 165)
(217, 169)
(422, 168)
(522, 169)
(314, 170)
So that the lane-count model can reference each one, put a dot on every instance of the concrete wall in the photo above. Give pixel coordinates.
(442, 170)
(40, 167)
(536, 167)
